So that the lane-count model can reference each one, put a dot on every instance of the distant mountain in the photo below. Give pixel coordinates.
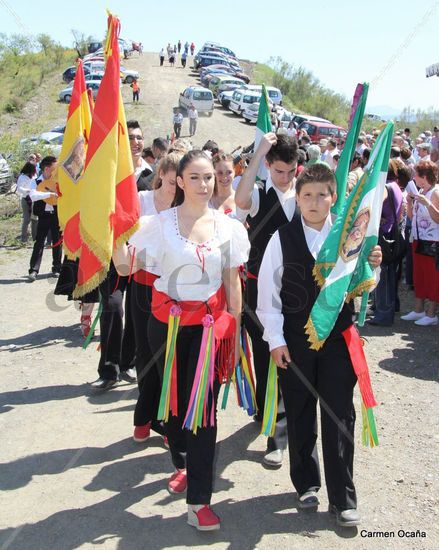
(385, 112)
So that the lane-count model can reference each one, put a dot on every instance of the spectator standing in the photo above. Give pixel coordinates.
(435, 139)
(186, 47)
(172, 58)
(423, 208)
(136, 90)
(47, 221)
(385, 294)
(179, 46)
(192, 48)
(193, 119)
(162, 56)
(178, 121)
(424, 150)
(24, 184)
(183, 59)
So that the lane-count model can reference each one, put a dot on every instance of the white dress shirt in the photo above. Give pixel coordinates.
(23, 185)
(39, 195)
(269, 308)
(287, 200)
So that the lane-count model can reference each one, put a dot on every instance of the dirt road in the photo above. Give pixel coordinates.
(71, 476)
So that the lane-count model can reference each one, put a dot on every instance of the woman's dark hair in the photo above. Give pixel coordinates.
(189, 157)
(301, 157)
(29, 169)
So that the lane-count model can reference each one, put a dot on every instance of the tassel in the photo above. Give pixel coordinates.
(270, 407)
(359, 363)
(369, 433)
(363, 309)
(249, 391)
(225, 396)
(202, 388)
(168, 396)
(93, 326)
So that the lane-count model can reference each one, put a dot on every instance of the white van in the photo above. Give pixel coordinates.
(274, 94)
(201, 98)
(242, 98)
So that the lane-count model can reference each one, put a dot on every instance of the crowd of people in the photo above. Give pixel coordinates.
(219, 250)
(172, 52)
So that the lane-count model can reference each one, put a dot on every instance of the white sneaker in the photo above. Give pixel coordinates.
(413, 316)
(426, 321)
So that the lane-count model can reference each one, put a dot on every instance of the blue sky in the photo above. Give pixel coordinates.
(388, 43)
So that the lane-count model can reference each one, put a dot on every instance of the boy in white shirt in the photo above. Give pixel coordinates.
(286, 294)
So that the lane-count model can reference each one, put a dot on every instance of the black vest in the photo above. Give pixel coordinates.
(267, 221)
(299, 289)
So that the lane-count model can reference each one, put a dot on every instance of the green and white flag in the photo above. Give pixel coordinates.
(355, 121)
(342, 269)
(263, 126)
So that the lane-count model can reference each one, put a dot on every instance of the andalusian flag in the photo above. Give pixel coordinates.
(342, 269)
(71, 163)
(263, 126)
(109, 203)
(355, 121)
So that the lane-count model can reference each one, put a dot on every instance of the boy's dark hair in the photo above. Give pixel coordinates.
(358, 158)
(211, 146)
(134, 125)
(161, 144)
(47, 161)
(29, 169)
(317, 173)
(285, 150)
(366, 155)
(147, 152)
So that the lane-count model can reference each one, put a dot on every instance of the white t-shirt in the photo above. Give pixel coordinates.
(189, 270)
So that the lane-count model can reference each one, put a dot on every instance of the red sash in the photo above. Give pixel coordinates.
(144, 277)
(192, 313)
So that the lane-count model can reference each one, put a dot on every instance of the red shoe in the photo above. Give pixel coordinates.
(203, 519)
(141, 433)
(177, 483)
(165, 441)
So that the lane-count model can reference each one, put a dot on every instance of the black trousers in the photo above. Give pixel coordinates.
(148, 378)
(46, 223)
(261, 359)
(177, 130)
(128, 351)
(194, 452)
(111, 324)
(330, 373)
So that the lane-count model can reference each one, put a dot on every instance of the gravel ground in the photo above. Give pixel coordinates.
(71, 476)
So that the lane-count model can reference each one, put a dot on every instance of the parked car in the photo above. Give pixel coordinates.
(5, 174)
(298, 119)
(274, 94)
(128, 75)
(241, 99)
(217, 46)
(207, 76)
(201, 60)
(322, 130)
(201, 98)
(69, 74)
(94, 46)
(250, 113)
(94, 76)
(222, 83)
(66, 94)
(59, 129)
(225, 97)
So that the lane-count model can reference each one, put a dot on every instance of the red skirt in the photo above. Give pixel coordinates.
(425, 276)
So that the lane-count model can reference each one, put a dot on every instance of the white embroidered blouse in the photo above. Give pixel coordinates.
(189, 270)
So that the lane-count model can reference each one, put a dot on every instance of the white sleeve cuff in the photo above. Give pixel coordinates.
(275, 341)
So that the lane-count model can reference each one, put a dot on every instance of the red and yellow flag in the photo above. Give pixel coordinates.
(109, 210)
(71, 163)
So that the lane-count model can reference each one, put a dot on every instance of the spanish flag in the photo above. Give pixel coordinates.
(71, 163)
(109, 209)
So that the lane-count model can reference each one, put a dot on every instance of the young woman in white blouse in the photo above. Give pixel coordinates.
(197, 251)
(151, 203)
(223, 198)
